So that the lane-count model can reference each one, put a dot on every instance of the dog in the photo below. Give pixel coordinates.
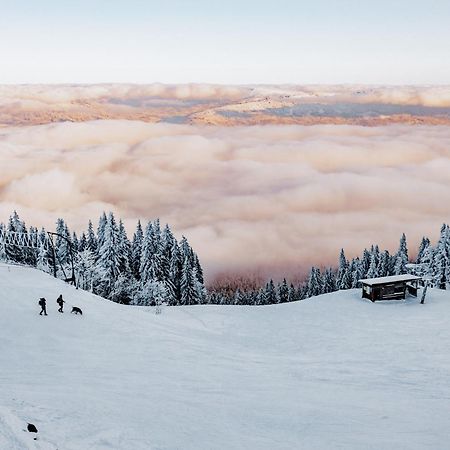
(76, 310)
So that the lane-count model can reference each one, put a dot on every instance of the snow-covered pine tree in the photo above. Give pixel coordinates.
(424, 244)
(200, 287)
(124, 251)
(62, 242)
(383, 264)
(92, 243)
(148, 250)
(346, 282)
(3, 256)
(357, 273)
(109, 259)
(424, 261)
(189, 292)
(292, 295)
(365, 262)
(441, 260)
(75, 242)
(82, 244)
(314, 282)
(175, 271)
(329, 281)
(343, 266)
(270, 297)
(43, 258)
(13, 252)
(198, 270)
(30, 254)
(136, 251)
(86, 270)
(237, 297)
(401, 258)
(373, 270)
(100, 239)
(283, 292)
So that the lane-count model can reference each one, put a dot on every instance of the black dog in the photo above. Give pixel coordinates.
(76, 310)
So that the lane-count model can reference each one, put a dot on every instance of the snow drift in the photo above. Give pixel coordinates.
(330, 372)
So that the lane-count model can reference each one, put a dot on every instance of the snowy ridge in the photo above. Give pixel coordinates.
(334, 372)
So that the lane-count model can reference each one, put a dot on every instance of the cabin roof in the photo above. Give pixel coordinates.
(392, 279)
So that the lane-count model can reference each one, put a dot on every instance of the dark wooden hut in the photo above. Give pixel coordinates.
(390, 288)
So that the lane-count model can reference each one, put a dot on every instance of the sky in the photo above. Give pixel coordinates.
(232, 42)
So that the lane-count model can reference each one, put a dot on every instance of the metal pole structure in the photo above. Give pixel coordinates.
(72, 279)
(50, 237)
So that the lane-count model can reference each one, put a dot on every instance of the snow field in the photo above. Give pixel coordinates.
(331, 372)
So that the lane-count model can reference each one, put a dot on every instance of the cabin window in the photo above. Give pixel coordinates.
(393, 289)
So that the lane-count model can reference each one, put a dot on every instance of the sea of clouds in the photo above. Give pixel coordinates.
(272, 199)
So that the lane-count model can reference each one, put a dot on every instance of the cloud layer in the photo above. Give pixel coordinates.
(268, 199)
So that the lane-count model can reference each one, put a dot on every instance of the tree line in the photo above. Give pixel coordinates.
(151, 268)
(432, 263)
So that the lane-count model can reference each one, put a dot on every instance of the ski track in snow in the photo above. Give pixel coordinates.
(332, 372)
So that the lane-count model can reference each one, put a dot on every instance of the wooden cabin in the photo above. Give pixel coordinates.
(390, 288)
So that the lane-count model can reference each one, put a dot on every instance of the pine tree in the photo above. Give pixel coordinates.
(82, 244)
(346, 282)
(75, 243)
(425, 265)
(148, 250)
(175, 271)
(101, 231)
(198, 270)
(283, 292)
(424, 244)
(92, 243)
(343, 266)
(63, 243)
(441, 259)
(189, 294)
(329, 281)
(314, 282)
(270, 294)
(136, 251)
(365, 263)
(292, 296)
(86, 270)
(124, 248)
(357, 273)
(13, 252)
(401, 258)
(42, 260)
(373, 270)
(3, 256)
(108, 256)
(383, 264)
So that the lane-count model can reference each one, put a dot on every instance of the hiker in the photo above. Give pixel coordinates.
(60, 302)
(42, 304)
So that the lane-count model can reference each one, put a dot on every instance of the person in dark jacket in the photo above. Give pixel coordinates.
(42, 303)
(60, 302)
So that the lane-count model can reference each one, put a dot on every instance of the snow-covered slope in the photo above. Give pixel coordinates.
(332, 372)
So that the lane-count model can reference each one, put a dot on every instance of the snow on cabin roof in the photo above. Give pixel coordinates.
(391, 279)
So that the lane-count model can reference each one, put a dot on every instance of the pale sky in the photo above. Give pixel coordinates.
(239, 42)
